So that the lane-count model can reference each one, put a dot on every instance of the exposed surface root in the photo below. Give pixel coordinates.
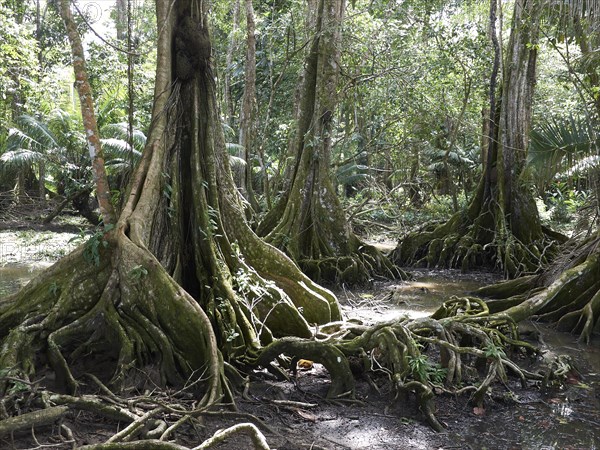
(567, 294)
(150, 419)
(364, 266)
(463, 350)
(476, 238)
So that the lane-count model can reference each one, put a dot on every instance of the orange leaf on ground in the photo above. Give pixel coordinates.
(305, 364)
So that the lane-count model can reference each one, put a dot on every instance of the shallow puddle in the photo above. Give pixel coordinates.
(549, 419)
(419, 297)
(25, 253)
(15, 276)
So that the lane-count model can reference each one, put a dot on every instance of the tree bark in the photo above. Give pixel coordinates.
(88, 115)
(515, 115)
(227, 100)
(309, 222)
(121, 19)
(501, 227)
(249, 106)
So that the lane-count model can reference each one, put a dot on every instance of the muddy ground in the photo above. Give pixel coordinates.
(514, 417)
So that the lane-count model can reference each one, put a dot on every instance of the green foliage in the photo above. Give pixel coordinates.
(54, 289)
(565, 201)
(557, 145)
(422, 369)
(493, 351)
(57, 141)
(249, 285)
(94, 244)
(353, 174)
(17, 52)
(138, 272)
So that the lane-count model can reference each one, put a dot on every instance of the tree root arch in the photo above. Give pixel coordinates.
(463, 350)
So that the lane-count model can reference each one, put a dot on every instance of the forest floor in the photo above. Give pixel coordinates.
(295, 415)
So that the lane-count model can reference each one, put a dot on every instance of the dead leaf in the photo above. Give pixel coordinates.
(544, 424)
(306, 415)
(305, 364)
(479, 411)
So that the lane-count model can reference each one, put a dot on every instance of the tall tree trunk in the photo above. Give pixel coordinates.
(227, 100)
(121, 18)
(309, 224)
(40, 56)
(515, 119)
(88, 115)
(249, 106)
(501, 227)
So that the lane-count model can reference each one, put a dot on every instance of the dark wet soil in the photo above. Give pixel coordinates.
(514, 417)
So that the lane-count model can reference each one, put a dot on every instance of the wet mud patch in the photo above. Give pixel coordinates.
(36, 248)
(415, 298)
(25, 253)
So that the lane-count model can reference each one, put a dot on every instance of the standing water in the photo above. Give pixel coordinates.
(530, 419)
(15, 276)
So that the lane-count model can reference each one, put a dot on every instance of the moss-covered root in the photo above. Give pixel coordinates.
(363, 266)
(425, 397)
(131, 312)
(583, 321)
(334, 360)
(468, 243)
(508, 288)
(571, 300)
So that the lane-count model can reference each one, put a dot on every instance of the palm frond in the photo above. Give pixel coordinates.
(455, 157)
(437, 166)
(234, 149)
(64, 122)
(236, 162)
(352, 173)
(31, 133)
(228, 131)
(120, 130)
(118, 165)
(556, 139)
(557, 145)
(19, 159)
(17, 139)
(110, 106)
(118, 148)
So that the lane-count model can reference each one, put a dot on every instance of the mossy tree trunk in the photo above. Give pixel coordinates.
(181, 282)
(249, 108)
(309, 223)
(501, 227)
